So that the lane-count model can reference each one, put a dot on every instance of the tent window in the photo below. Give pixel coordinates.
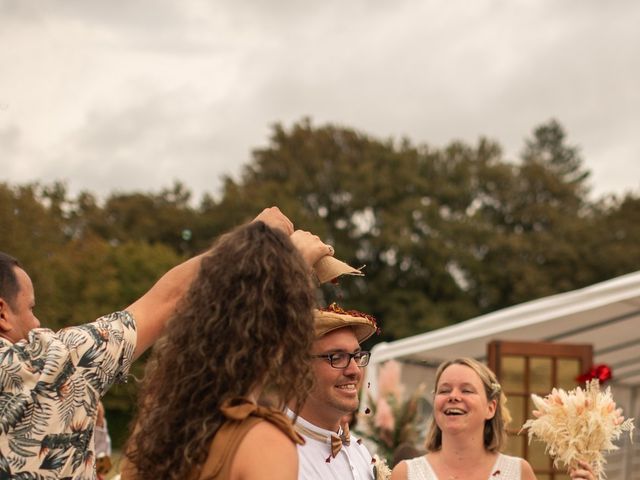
(524, 368)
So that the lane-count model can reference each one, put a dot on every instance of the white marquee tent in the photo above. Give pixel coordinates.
(606, 315)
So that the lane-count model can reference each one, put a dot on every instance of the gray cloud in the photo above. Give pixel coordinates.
(138, 94)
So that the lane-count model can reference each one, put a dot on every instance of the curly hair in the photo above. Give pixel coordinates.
(246, 323)
(494, 435)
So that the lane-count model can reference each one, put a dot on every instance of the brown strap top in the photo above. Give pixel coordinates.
(242, 415)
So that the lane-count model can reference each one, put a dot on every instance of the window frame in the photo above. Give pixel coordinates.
(497, 349)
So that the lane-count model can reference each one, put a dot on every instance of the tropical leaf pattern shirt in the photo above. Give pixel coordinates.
(50, 385)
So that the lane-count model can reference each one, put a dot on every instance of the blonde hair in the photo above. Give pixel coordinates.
(494, 435)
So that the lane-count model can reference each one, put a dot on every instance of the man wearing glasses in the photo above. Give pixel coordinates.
(330, 451)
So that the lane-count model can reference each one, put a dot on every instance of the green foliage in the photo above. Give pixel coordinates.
(549, 148)
(376, 202)
(445, 234)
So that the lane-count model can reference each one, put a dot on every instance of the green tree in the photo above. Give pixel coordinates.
(611, 248)
(445, 234)
(165, 217)
(533, 216)
(381, 204)
(31, 228)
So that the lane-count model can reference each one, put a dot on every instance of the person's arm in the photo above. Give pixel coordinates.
(253, 461)
(399, 472)
(526, 472)
(153, 309)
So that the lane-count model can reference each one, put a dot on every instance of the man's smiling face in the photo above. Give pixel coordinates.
(335, 393)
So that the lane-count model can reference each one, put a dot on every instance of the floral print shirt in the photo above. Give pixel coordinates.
(50, 385)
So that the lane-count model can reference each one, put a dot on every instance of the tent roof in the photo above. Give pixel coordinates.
(606, 315)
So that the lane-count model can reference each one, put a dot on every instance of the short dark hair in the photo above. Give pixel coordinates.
(9, 286)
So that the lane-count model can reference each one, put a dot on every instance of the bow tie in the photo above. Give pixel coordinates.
(338, 440)
(334, 439)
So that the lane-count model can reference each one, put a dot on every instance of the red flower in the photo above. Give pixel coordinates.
(600, 372)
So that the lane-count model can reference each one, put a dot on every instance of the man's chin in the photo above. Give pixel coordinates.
(347, 406)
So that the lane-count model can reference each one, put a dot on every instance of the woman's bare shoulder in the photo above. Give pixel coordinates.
(526, 472)
(400, 471)
(266, 452)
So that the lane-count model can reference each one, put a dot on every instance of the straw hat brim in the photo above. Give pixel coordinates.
(326, 322)
(329, 268)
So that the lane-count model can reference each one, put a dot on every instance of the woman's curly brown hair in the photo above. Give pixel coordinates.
(245, 323)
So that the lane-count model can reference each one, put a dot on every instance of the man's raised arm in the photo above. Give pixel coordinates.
(154, 308)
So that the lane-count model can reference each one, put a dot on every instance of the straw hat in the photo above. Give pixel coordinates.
(329, 268)
(334, 317)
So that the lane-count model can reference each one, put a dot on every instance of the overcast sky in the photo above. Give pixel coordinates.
(123, 95)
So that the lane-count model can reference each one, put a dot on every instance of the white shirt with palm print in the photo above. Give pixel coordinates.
(50, 385)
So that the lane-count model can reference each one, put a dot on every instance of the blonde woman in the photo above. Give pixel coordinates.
(467, 431)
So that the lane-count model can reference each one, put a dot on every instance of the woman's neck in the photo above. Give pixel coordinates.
(462, 457)
(463, 449)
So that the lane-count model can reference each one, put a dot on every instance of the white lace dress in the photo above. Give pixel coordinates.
(505, 468)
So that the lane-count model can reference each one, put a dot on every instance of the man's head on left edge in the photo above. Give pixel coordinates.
(17, 300)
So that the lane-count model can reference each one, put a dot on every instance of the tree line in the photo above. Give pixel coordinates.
(444, 234)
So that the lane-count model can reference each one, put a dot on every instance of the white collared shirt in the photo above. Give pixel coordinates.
(353, 461)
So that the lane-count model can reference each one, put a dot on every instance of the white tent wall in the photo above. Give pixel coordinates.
(606, 315)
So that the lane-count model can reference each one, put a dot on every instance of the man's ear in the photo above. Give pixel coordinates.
(5, 324)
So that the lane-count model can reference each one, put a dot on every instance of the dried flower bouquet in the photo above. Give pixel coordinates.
(578, 425)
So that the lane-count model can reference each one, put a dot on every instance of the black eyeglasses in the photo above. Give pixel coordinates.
(342, 359)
